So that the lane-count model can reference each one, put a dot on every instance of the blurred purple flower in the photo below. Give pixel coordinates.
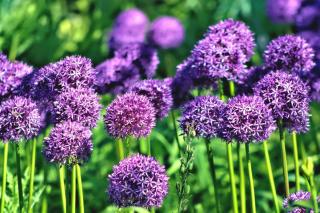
(283, 11)
(19, 119)
(158, 92)
(143, 57)
(138, 181)
(296, 196)
(130, 115)
(166, 32)
(68, 143)
(130, 26)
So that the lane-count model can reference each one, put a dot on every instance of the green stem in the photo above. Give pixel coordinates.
(251, 181)
(4, 175)
(314, 194)
(296, 160)
(73, 189)
(270, 176)
(232, 88)
(33, 165)
(242, 180)
(176, 131)
(120, 149)
(284, 159)
(213, 173)
(232, 178)
(220, 87)
(62, 188)
(19, 176)
(148, 145)
(80, 189)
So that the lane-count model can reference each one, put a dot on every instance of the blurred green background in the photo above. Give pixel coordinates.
(43, 31)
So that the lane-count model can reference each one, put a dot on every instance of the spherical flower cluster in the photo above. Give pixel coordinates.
(216, 57)
(289, 53)
(283, 11)
(202, 117)
(70, 72)
(68, 143)
(296, 196)
(19, 119)
(166, 32)
(138, 181)
(79, 105)
(130, 26)
(247, 119)
(158, 92)
(115, 76)
(11, 75)
(288, 98)
(130, 115)
(141, 56)
(237, 32)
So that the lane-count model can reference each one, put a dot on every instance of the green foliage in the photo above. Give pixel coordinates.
(42, 31)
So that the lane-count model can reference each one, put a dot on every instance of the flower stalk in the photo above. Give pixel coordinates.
(251, 180)
(19, 177)
(284, 158)
(296, 160)
(32, 171)
(4, 175)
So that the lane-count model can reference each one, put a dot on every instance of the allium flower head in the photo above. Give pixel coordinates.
(70, 72)
(202, 116)
(79, 105)
(19, 119)
(138, 181)
(143, 57)
(307, 17)
(247, 119)
(115, 76)
(296, 196)
(283, 11)
(166, 32)
(237, 32)
(68, 143)
(288, 98)
(130, 115)
(158, 92)
(289, 53)
(216, 57)
(11, 75)
(130, 26)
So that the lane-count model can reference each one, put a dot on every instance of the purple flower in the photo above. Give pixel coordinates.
(202, 116)
(115, 76)
(313, 38)
(158, 92)
(19, 119)
(236, 32)
(296, 196)
(79, 105)
(142, 56)
(138, 181)
(283, 11)
(216, 57)
(130, 115)
(289, 53)
(288, 98)
(68, 143)
(130, 26)
(315, 90)
(11, 75)
(70, 72)
(247, 119)
(166, 32)
(307, 16)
